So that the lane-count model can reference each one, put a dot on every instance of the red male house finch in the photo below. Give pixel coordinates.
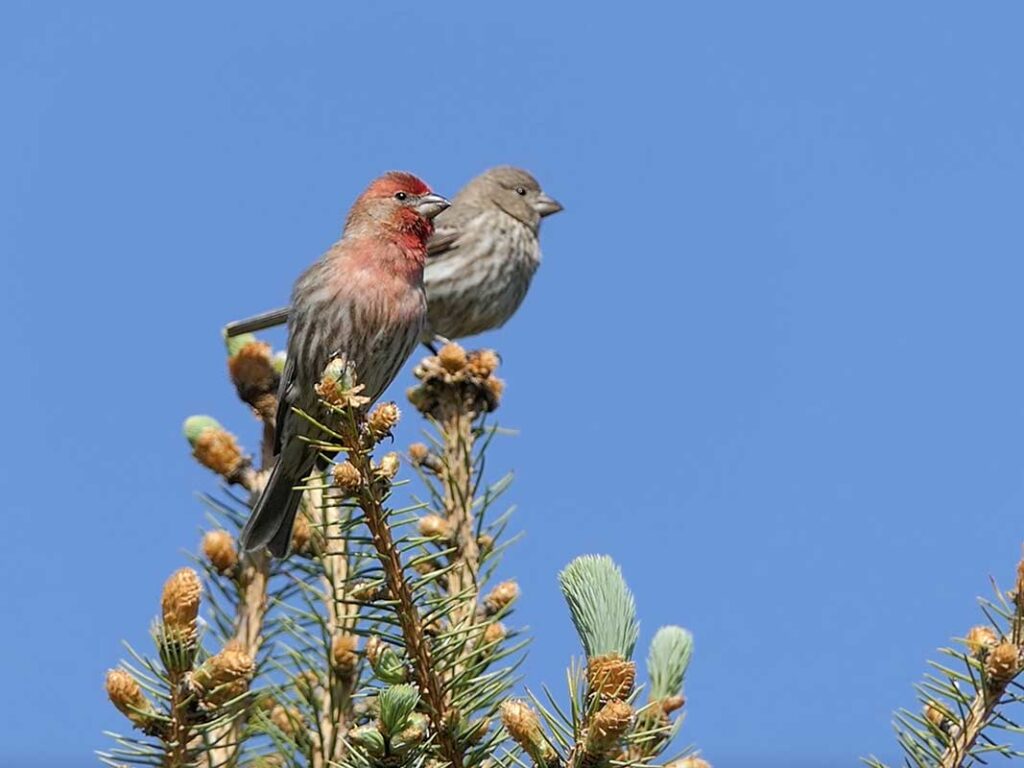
(480, 260)
(363, 301)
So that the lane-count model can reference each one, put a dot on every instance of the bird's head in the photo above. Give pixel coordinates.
(514, 191)
(397, 206)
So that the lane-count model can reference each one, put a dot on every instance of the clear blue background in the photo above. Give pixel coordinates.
(772, 361)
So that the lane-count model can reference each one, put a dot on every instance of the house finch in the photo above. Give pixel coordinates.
(481, 258)
(363, 302)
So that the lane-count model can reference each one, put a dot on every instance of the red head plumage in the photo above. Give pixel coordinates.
(394, 182)
(390, 208)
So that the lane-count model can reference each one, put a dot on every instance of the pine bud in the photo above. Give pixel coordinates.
(477, 730)
(343, 653)
(385, 662)
(980, 639)
(177, 635)
(287, 719)
(485, 542)
(523, 726)
(389, 465)
(346, 477)
(1003, 662)
(223, 677)
(452, 357)
(127, 696)
(689, 762)
(180, 601)
(366, 592)
(434, 526)
(501, 596)
(382, 420)
(935, 716)
(369, 738)
(608, 726)
(610, 676)
(1018, 592)
(421, 456)
(213, 446)
(493, 635)
(413, 734)
(219, 548)
(673, 703)
(302, 535)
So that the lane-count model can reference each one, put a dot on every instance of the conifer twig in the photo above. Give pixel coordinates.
(416, 643)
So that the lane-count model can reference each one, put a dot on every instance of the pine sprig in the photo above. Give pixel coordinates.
(965, 702)
(667, 661)
(602, 607)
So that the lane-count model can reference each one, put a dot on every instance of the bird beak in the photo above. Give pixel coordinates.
(545, 205)
(428, 206)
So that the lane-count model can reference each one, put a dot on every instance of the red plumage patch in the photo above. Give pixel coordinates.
(396, 181)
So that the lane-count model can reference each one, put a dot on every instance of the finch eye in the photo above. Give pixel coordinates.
(520, 191)
(400, 195)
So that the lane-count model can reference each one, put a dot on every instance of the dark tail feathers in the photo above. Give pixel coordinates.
(270, 523)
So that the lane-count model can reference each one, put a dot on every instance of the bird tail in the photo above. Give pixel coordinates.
(270, 523)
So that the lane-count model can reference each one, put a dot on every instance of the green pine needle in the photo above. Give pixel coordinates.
(601, 605)
(667, 660)
(396, 703)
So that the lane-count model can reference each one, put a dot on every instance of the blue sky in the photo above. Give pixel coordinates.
(771, 362)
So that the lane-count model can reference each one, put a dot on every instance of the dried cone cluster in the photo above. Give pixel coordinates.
(253, 371)
(456, 376)
(223, 677)
(338, 386)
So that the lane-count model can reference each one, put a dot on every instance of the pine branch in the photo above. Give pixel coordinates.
(456, 389)
(962, 707)
(416, 644)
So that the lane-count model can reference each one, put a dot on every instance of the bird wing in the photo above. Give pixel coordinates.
(448, 228)
(442, 241)
(286, 395)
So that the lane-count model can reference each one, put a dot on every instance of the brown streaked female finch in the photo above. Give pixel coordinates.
(363, 302)
(481, 259)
